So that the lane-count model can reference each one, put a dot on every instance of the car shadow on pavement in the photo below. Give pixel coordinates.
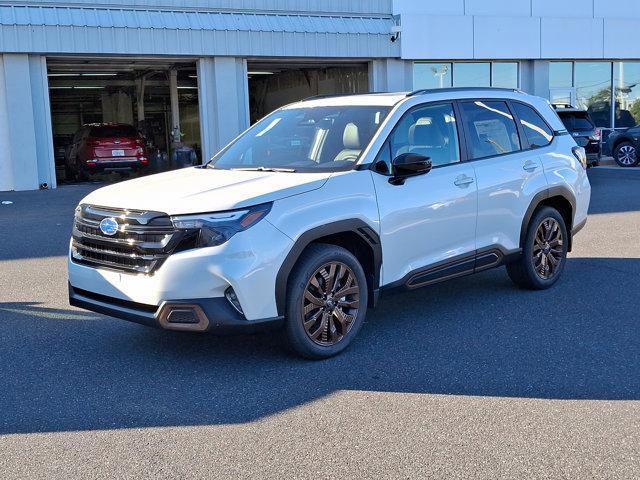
(68, 370)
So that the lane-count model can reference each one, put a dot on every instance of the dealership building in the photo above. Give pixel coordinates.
(193, 74)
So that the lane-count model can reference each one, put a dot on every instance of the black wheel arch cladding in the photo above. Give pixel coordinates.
(350, 227)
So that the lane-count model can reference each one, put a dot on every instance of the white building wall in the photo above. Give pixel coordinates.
(518, 29)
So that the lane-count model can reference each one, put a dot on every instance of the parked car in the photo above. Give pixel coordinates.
(309, 215)
(105, 147)
(624, 146)
(583, 130)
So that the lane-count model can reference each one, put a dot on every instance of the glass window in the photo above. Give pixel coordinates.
(593, 90)
(471, 74)
(504, 74)
(491, 128)
(576, 120)
(106, 131)
(535, 129)
(561, 75)
(305, 139)
(431, 75)
(429, 131)
(626, 81)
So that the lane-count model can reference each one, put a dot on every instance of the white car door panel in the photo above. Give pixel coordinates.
(508, 169)
(431, 217)
(506, 187)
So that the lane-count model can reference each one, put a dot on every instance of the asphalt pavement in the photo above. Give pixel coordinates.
(473, 378)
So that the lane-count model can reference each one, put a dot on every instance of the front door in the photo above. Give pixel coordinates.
(430, 218)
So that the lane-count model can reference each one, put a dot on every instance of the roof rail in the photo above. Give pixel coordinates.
(331, 95)
(424, 91)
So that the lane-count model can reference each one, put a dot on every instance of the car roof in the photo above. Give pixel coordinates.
(434, 95)
(373, 99)
(392, 98)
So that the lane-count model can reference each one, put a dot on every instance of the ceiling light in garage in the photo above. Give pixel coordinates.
(260, 72)
(99, 74)
(186, 87)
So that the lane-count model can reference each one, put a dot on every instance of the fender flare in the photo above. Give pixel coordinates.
(352, 225)
(555, 191)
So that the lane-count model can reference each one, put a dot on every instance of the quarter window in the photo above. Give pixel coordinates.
(429, 131)
(491, 128)
(535, 129)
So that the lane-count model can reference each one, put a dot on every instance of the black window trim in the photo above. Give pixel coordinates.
(462, 146)
(554, 133)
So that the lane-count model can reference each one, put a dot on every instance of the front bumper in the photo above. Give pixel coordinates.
(200, 314)
(248, 262)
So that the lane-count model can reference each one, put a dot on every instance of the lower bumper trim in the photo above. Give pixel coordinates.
(210, 314)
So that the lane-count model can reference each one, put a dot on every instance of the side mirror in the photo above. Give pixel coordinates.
(408, 165)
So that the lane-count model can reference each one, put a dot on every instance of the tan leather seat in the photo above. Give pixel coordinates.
(351, 144)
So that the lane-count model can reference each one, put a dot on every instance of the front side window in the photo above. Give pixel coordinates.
(535, 129)
(429, 131)
(491, 128)
(326, 138)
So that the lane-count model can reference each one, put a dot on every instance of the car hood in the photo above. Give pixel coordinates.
(196, 190)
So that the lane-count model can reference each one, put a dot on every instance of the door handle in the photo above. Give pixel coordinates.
(463, 181)
(530, 166)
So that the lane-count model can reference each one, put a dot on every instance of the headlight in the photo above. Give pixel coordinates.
(216, 228)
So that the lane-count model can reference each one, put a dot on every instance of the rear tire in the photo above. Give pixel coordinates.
(545, 251)
(326, 301)
(625, 154)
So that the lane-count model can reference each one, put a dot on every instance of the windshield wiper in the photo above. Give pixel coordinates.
(265, 169)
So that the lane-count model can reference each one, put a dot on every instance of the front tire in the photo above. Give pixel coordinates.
(625, 154)
(326, 301)
(545, 251)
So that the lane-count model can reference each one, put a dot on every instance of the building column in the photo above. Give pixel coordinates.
(390, 75)
(534, 77)
(26, 141)
(224, 101)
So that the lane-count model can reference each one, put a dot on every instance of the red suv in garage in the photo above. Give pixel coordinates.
(105, 147)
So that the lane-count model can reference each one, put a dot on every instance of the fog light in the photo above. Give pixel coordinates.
(181, 316)
(233, 299)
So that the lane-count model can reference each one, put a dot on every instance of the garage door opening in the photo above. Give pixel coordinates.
(121, 118)
(272, 85)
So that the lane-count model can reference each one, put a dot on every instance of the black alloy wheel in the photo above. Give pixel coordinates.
(327, 295)
(330, 303)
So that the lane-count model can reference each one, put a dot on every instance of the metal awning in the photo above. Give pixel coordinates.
(61, 29)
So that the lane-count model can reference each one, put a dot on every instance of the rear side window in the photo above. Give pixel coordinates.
(113, 131)
(535, 129)
(491, 128)
(576, 121)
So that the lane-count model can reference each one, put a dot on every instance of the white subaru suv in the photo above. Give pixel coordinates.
(305, 218)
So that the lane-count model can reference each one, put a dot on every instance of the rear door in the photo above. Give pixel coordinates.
(507, 167)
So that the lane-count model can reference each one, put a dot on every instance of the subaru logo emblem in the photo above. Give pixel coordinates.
(109, 226)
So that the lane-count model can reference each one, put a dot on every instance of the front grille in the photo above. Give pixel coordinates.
(143, 240)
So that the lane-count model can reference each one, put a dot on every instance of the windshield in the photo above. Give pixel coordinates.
(304, 139)
(106, 131)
